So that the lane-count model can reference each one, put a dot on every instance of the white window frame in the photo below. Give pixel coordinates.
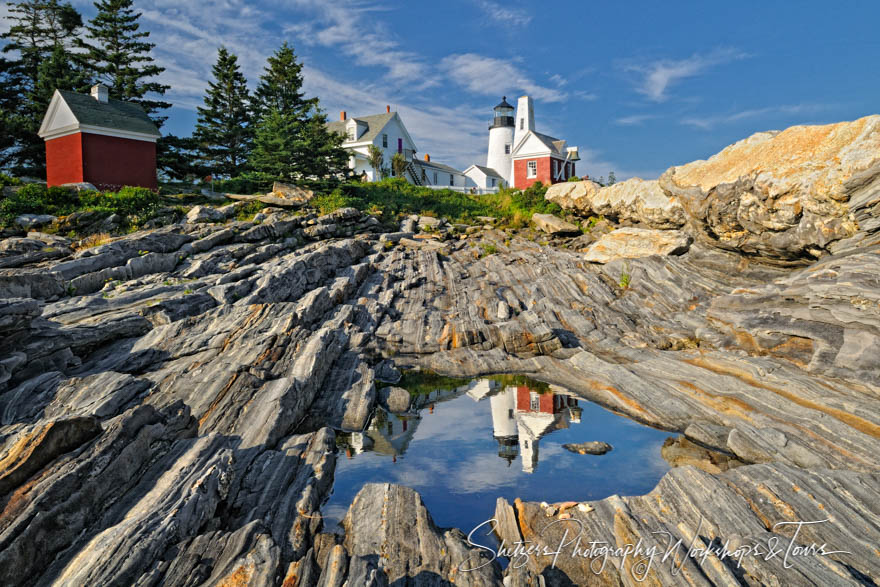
(351, 134)
(531, 169)
(507, 149)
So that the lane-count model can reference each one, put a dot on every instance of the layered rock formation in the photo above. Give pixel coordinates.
(169, 400)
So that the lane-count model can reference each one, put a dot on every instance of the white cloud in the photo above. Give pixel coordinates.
(505, 15)
(489, 76)
(345, 24)
(659, 76)
(634, 119)
(710, 122)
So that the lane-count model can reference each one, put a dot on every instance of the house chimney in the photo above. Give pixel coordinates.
(342, 116)
(100, 93)
(388, 109)
(427, 157)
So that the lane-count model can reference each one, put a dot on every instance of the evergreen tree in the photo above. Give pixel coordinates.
(291, 138)
(223, 129)
(39, 40)
(280, 86)
(177, 158)
(120, 56)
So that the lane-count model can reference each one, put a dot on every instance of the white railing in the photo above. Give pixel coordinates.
(463, 189)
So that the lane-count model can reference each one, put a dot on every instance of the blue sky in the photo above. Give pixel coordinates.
(638, 86)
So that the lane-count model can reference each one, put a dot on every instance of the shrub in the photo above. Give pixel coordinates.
(6, 180)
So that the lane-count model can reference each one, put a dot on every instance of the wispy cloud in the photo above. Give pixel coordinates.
(489, 76)
(658, 76)
(710, 122)
(346, 24)
(634, 119)
(505, 15)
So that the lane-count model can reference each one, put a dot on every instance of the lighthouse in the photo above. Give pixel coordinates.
(501, 130)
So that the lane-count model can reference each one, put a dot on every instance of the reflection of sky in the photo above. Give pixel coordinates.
(452, 461)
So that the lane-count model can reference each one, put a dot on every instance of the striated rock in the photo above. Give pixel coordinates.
(785, 196)
(632, 243)
(633, 200)
(594, 447)
(29, 221)
(390, 525)
(553, 225)
(204, 214)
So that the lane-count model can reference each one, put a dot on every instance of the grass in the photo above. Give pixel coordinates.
(625, 278)
(135, 204)
(250, 209)
(488, 249)
(394, 197)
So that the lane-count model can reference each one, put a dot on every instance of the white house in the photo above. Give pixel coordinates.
(386, 131)
(437, 175)
(484, 179)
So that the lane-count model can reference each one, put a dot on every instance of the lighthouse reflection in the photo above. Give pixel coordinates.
(521, 416)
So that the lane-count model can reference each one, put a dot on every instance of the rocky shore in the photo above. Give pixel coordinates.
(168, 399)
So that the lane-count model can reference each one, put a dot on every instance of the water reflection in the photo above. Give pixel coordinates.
(521, 416)
(459, 443)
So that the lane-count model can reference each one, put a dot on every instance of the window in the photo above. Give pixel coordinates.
(532, 169)
(385, 141)
(451, 179)
(435, 178)
(534, 402)
(351, 136)
(493, 182)
(507, 149)
(522, 123)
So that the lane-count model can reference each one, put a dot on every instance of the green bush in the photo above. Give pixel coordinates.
(394, 196)
(131, 202)
(6, 180)
(246, 183)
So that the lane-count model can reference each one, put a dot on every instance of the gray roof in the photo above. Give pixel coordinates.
(488, 171)
(440, 166)
(375, 123)
(115, 114)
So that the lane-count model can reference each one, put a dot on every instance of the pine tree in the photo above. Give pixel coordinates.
(177, 158)
(223, 129)
(280, 86)
(39, 39)
(291, 139)
(120, 56)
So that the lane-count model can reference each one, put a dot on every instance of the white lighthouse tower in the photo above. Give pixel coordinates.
(525, 118)
(501, 140)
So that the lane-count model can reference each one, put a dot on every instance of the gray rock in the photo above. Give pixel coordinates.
(389, 524)
(395, 399)
(594, 447)
(199, 214)
(32, 220)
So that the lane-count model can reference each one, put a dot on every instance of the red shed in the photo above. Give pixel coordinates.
(91, 138)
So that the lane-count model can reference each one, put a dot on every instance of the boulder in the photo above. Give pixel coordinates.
(633, 200)
(429, 223)
(554, 225)
(594, 447)
(199, 214)
(390, 526)
(395, 399)
(31, 220)
(632, 243)
(290, 194)
(784, 195)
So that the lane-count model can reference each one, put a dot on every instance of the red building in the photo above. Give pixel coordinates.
(91, 138)
(539, 157)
